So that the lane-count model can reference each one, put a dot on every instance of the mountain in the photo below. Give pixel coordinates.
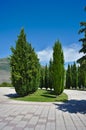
(5, 64)
(4, 70)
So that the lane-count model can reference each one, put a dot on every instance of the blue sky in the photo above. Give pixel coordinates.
(44, 21)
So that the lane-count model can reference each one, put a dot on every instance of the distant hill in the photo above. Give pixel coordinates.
(4, 70)
(5, 64)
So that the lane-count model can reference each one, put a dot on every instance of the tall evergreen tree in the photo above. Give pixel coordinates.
(68, 77)
(46, 77)
(62, 70)
(24, 66)
(42, 77)
(82, 76)
(58, 68)
(74, 71)
(51, 74)
(33, 70)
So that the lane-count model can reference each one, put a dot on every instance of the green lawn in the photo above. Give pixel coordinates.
(44, 96)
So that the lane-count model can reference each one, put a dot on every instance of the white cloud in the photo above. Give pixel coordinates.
(45, 55)
(71, 53)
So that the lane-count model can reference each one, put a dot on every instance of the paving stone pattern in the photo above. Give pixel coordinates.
(19, 115)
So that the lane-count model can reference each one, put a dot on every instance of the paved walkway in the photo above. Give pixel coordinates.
(17, 115)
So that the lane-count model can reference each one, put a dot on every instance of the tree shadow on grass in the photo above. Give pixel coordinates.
(49, 94)
(72, 106)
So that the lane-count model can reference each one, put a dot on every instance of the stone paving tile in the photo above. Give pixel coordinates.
(43, 127)
(21, 124)
(8, 128)
(18, 128)
(81, 128)
(45, 112)
(71, 128)
(82, 118)
(33, 121)
(27, 128)
(42, 121)
(39, 111)
(27, 117)
(77, 122)
(68, 121)
(2, 125)
(38, 127)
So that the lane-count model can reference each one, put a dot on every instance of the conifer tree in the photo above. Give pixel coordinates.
(33, 70)
(58, 68)
(51, 74)
(62, 70)
(24, 67)
(42, 77)
(46, 77)
(82, 76)
(68, 77)
(74, 71)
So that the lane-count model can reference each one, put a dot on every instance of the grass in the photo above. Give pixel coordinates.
(44, 96)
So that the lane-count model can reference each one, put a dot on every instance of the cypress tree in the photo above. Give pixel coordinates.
(46, 77)
(24, 66)
(62, 70)
(58, 68)
(50, 74)
(74, 76)
(42, 77)
(82, 76)
(68, 77)
(33, 70)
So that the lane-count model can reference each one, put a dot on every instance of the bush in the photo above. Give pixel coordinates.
(5, 84)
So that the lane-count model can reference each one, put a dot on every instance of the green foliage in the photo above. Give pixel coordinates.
(44, 81)
(46, 77)
(72, 76)
(5, 84)
(62, 71)
(51, 74)
(25, 67)
(83, 40)
(58, 68)
(82, 75)
(68, 77)
(82, 60)
(42, 77)
(74, 72)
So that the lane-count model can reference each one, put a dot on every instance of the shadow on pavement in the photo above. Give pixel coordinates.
(72, 106)
(13, 95)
